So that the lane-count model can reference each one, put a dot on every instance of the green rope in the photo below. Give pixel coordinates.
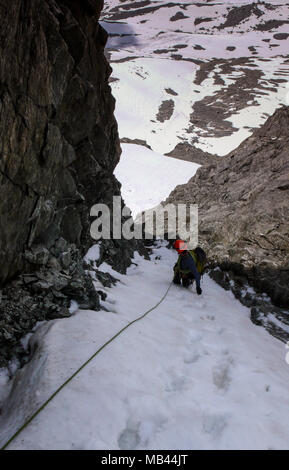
(80, 368)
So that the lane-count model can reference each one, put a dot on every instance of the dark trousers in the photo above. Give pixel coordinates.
(185, 279)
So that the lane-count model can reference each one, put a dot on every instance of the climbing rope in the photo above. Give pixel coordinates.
(80, 368)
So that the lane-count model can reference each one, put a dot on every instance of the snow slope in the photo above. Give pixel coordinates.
(194, 374)
(148, 177)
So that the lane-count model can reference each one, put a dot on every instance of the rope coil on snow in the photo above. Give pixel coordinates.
(80, 368)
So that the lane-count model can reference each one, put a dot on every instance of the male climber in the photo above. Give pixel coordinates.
(190, 265)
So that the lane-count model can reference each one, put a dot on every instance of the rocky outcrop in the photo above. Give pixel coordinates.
(59, 146)
(191, 153)
(127, 140)
(239, 14)
(243, 201)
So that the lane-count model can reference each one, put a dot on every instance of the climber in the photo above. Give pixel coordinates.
(190, 265)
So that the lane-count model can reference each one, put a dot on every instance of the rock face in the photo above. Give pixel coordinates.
(243, 203)
(59, 146)
(190, 153)
(58, 136)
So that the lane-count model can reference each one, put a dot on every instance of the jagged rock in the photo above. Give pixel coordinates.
(44, 294)
(244, 211)
(38, 255)
(106, 279)
(127, 140)
(221, 278)
(178, 16)
(190, 153)
(65, 259)
(240, 13)
(109, 252)
(262, 311)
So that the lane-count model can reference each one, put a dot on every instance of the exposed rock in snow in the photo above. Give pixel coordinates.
(231, 60)
(238, 14)
(190, 153)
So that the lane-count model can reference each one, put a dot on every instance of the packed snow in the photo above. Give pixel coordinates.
(148, 177)
(193, 374)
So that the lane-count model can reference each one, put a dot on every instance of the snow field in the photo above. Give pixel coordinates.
(194, 374)
(147, 177)
(141, 89)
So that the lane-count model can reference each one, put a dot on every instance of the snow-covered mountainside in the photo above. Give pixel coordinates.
(195, 72)
(194, 374)
(198, 81)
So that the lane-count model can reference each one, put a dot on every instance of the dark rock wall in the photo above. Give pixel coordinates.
(58, 136)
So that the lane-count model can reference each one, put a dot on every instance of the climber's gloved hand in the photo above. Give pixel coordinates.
(199, 290)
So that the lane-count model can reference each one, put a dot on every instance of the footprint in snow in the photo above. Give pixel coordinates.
(221, 375)
(194, 337)
(208, 317)
(214, 424)
(141, 427)
(129, 437)
(191, 358)
(176, 384)
(199, 302)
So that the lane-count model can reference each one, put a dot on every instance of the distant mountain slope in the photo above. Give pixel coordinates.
(200, 73)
